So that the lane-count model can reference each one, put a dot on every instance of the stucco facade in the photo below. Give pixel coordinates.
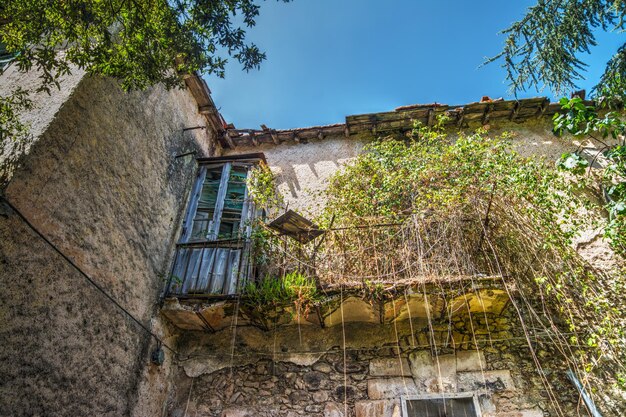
(102, 180)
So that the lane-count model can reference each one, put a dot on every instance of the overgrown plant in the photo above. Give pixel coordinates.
(140, 43)
(434, 207)
(293, 288)
(261, 185)
(375, 292)
(582, 121)
(13, 131)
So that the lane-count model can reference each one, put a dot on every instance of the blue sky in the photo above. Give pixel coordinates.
(327, 59)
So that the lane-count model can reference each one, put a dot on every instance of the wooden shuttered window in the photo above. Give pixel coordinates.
(213, 252)
(219, 208)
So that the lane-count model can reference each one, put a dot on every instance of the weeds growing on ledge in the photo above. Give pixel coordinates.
(293, 288)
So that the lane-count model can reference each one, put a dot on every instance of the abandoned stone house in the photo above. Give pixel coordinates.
(125, 206)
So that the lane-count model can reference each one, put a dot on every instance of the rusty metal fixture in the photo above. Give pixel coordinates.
(158, 356)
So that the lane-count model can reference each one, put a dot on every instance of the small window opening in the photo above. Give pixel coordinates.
(448, 405)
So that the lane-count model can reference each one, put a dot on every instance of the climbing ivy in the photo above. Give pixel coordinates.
(261, 184)
(582, 120)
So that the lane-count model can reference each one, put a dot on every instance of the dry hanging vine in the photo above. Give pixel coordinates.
(436, 208)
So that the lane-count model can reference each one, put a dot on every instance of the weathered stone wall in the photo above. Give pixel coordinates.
(305, 371)
(303, 170)
(104, 184)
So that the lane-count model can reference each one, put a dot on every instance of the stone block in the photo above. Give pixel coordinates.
(301, 359)
(414, 306)
(322, 367)
(470, 360)
(343, 392)
(313, 408)
(313, 380)
(237, 412)
(354, 310)
(433, 374)
(530, 413)
(486, 404)
(489, 380)
(381, 388)
(320, 396)
(390, 367)
(333, 410)
(485, 300)
(421, 363)
(378, 408)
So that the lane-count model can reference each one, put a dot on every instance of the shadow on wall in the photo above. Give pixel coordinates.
(303, 169)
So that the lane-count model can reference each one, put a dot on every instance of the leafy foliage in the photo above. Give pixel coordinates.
(10, 106)
(261, 184)
(582, 120)
(430, 173)
(573, 162)
(471, 205)
(139, 42)
(543, 48)
(11, 127)
(438, 207)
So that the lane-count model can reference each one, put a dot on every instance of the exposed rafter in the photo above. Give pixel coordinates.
(403, 119)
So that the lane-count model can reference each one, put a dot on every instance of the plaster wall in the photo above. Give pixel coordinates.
(303, 169)
(102, 181)
(38, 118)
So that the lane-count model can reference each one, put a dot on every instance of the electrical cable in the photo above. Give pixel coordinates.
(84, 274)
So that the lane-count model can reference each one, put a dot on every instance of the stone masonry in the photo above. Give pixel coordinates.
(368, 379)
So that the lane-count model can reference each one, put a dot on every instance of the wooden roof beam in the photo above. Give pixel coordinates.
(516, 108)
(253, 138)
(229, 140)
(274, 137)
(485, 118)
(542, 107)
(460, 118)
(431, 117)
(272, 134)
(208, 109)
